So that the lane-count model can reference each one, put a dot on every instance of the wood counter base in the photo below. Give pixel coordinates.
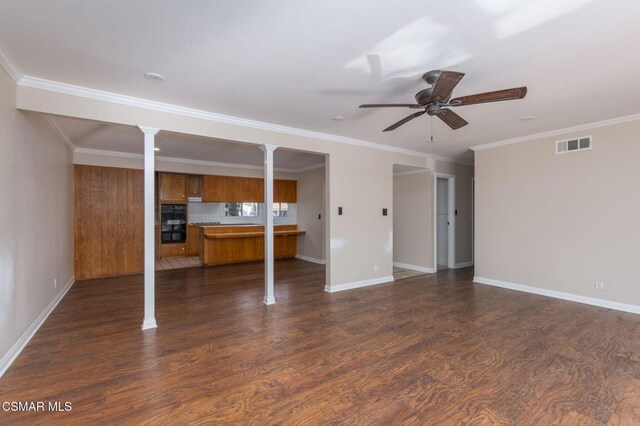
(220, 245)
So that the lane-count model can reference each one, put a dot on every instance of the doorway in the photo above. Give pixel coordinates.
(444, 221)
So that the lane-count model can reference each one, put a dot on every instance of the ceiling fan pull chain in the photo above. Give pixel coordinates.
(432, 129)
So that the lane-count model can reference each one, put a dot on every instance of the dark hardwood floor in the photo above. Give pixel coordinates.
(432, 349)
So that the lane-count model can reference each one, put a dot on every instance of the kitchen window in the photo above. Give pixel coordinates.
(280, 209)
(241, 209)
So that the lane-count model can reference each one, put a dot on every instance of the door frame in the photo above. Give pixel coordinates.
(451, 255)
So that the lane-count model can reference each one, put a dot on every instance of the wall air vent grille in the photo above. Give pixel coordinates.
(570, 145)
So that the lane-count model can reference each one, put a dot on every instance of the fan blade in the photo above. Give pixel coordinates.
(390, 106)
(404, 120)
(498, 95)
(452, 119)
(445, 84)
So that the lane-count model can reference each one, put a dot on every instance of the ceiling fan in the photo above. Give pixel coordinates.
(436, 100)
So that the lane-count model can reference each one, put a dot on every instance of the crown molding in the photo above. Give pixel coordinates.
(579, 128)
(9, 65)
(120, 154)
(54, 124)
(100, 95)
(313, 167)
(412, 172)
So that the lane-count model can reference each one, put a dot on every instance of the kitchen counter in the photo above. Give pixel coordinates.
(201, 225)
(223, 244)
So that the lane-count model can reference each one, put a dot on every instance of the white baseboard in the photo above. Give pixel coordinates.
(462, 265)
(22, 342)
(634, 309)
(414, 267)
(311, 259)
(357, 284)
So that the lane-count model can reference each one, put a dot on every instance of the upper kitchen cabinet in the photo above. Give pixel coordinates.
(285, 191)
(194, 186)
(172, 187)
(214, 188)
(233, 189)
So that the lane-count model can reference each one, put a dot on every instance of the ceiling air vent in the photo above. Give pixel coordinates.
(571, 145)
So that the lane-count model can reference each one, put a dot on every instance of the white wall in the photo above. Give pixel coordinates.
(311, 204)
(413, 219)
(560, 222)
(36, 230)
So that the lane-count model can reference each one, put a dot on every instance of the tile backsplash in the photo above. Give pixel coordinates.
(214, 212)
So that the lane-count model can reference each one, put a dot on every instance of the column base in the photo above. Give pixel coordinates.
(150, 323)
(269, 300)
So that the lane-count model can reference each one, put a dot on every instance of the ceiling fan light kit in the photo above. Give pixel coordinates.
(436, 100)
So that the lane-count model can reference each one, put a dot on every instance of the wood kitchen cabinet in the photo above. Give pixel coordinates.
(193, 240)
(285, 191)
(172, 188)
(172, 250)
(234, 189)
(194, 186)
(213, 188)
(231, 189)
(245, 243)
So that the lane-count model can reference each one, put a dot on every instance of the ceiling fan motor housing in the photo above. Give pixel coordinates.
(423, 97)
(432, 76)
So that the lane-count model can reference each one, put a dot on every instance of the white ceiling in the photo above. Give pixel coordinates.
(95, 135)
(298, 63)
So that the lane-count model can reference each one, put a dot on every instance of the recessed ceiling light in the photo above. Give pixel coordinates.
(156, 149)
(527, 117)
(153, 76)
(337, 118)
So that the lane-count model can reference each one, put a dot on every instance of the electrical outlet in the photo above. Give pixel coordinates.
(55, 283)
(599, 285)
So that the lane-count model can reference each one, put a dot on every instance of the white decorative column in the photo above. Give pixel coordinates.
(269, 294)
(149, 320)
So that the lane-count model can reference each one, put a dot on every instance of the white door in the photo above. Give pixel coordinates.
(442, 209)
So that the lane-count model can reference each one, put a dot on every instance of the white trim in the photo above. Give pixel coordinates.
(451, 182)
(100, 95)
(357, 284)
(6, 61)
(54, 124)
(415, 267)
(473, 219)
(311, 259)
(121, 154)
(309, 168)
(580, 128)
(412, 172)
(462, 265)
(634, 309)
(22, 342)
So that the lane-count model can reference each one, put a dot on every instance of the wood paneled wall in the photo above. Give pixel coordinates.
(108, 221)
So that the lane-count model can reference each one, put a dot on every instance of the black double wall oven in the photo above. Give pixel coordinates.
(173, 223)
